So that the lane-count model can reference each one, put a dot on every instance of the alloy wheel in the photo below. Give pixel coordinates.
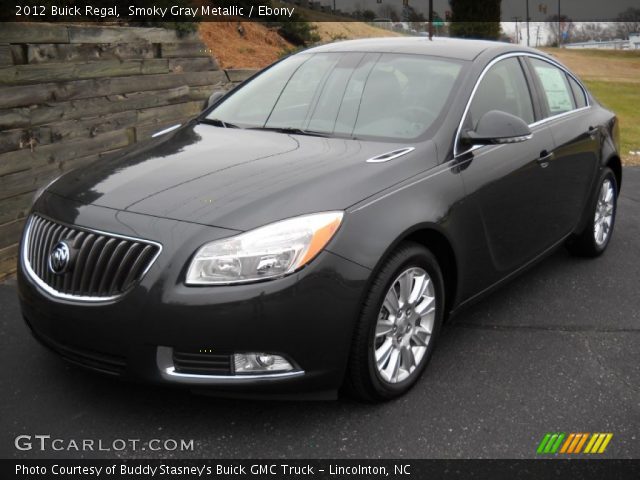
(405, 325)
(604, 212)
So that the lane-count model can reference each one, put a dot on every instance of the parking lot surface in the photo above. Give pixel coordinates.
(556, 350)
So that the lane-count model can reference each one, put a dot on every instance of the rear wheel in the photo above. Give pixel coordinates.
(593, 240)
(398, 326)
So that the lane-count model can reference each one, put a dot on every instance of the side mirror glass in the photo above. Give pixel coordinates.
(497, 127)
(215, 96)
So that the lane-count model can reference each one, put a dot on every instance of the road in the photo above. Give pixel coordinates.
(557, 349)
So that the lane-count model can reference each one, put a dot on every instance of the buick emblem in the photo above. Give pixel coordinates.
(59, 258)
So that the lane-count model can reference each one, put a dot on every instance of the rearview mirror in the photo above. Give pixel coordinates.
(215, 96)
(497, 127)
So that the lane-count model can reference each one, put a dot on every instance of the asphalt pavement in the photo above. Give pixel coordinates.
(556, 350)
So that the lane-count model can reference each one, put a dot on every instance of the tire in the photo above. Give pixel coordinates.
(593, 241)
(401, 330)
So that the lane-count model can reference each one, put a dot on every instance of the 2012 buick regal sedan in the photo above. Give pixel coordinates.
(314, 227)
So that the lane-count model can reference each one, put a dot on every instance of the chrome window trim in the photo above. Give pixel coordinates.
(164, 359)
(65, 296)
(534, 124)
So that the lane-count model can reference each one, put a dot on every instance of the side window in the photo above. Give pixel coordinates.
(578, 93)
(504, 87)
(555, 85)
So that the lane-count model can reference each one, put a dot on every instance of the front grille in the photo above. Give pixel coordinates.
(101, 266)
(202, 363)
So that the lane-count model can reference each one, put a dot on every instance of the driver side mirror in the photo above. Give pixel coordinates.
(496, 127)
(215, 96)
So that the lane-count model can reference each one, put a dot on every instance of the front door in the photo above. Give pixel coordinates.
(508, 185)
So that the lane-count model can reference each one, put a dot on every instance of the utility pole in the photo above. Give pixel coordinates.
(430, 19)
(528, 36)
(517, 22)
(559, 27)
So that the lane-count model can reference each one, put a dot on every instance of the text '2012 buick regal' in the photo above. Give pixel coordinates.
(313, 228)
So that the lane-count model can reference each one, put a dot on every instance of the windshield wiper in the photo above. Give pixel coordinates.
(218, 123)
(292, 130)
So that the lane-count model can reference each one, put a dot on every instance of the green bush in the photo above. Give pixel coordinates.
(299, 33)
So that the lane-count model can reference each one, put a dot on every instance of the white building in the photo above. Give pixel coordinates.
(632, 44)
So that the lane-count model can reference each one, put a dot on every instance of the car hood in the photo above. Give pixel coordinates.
(240, 179)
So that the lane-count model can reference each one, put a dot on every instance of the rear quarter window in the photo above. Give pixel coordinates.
(578, 93)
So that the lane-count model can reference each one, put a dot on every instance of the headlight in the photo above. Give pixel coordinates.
(271, 251)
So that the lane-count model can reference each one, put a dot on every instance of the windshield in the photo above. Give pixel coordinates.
(351, 94)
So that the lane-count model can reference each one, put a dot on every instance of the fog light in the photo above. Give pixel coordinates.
(265, 360)
(260, 362)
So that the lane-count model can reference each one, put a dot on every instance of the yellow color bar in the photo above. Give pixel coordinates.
(606, 441)
(594, 437)
(596, 445)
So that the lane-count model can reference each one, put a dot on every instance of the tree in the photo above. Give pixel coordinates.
(591, 31)
(628, 22)
(416, 20)
(368, 15)
(387, 11)
(474, 19)
(566, 30)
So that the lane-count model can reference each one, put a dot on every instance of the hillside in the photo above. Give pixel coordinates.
(243, 44)
(253, 45)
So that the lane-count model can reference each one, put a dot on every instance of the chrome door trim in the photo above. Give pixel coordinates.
(534, 124)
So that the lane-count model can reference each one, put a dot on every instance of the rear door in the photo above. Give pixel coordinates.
(567, 114)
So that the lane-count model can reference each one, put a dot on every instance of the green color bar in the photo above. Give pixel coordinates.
(543, 443)
(557, 444)
(550, 443)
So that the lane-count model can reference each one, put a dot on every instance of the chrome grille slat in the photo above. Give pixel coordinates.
(101, 263)
(51, 241)
(35, 240)
(137, 265)
(58, 280)
(118, 277)
(82, 259)
(103, 266)
(46, 236)
(92, 257)
(112, 265)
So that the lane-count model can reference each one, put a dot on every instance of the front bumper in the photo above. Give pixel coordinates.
(307, 317)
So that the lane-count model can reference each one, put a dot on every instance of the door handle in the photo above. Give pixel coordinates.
(544, 158)
(593, 131)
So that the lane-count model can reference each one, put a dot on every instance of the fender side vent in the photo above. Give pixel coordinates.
(385, 157)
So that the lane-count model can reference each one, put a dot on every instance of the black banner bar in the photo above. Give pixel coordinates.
(320, 10)
(321, 469)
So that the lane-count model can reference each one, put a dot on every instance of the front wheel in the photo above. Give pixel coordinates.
(593, 240)
(398, 327)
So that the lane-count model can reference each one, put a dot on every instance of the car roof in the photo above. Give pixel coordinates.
(458, 48)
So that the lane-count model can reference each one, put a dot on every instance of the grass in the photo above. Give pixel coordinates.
(614, 79)
(624, 100)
